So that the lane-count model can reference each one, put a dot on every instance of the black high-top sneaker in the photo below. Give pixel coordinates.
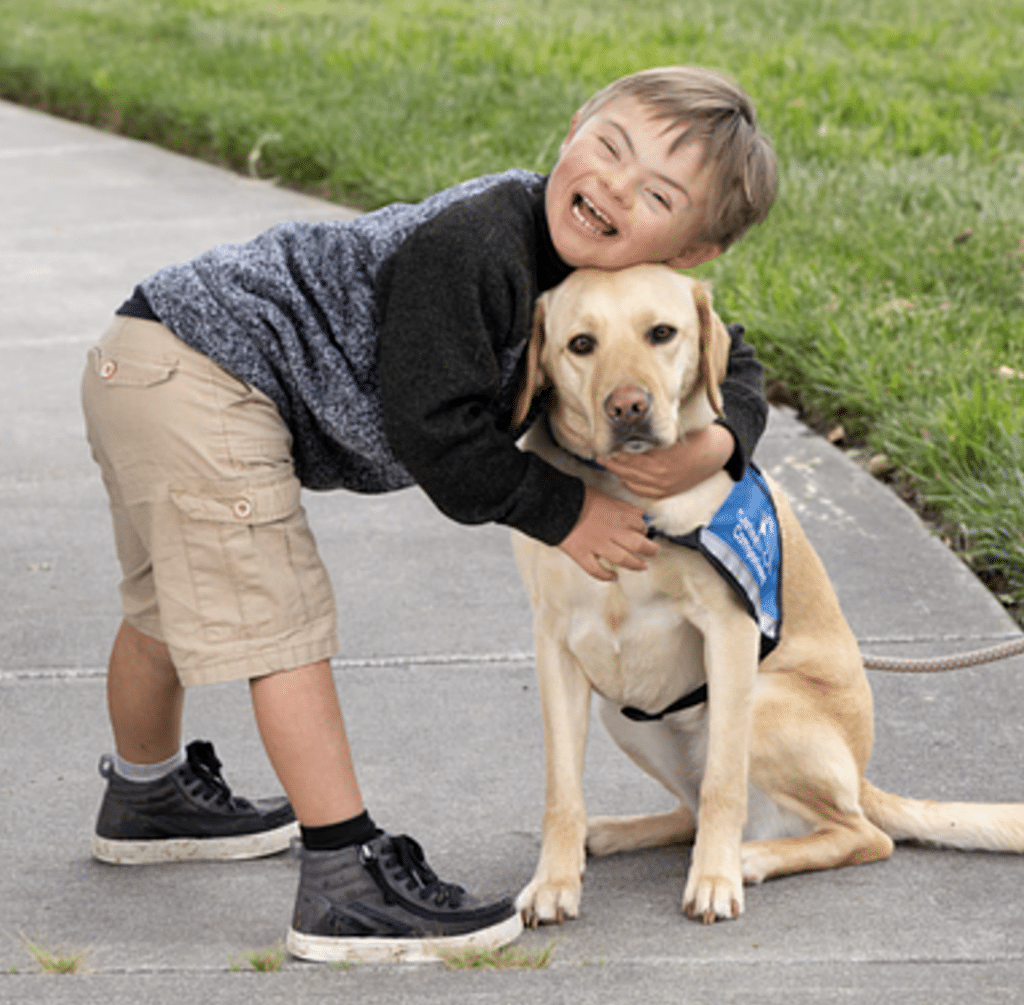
(381, 902)
(190, 813)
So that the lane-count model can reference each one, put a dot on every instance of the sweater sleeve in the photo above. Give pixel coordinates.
(746, 410)
(449, 305)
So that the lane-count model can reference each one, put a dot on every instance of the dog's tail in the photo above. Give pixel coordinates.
(970, 826)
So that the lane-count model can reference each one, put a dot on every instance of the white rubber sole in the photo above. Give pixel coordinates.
(361, 949)
(194, 849)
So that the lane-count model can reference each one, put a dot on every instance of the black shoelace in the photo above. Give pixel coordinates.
(205, 766)
(405, 857)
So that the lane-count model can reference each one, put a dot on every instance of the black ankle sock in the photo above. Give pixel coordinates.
(357, 830)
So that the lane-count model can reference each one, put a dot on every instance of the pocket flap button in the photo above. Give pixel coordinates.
(243, 509)
(108, 369)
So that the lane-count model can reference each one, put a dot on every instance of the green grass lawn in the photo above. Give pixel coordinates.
(885, 293)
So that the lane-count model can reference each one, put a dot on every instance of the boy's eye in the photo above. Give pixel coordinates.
(660, 334)
(663, 199)
(612, 148)
(582, 345)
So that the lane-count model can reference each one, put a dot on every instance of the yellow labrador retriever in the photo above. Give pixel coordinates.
(766, 753)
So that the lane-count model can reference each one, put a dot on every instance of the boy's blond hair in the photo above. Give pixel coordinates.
(710, 109)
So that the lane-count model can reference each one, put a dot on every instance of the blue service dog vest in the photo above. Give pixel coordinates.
(742, 542)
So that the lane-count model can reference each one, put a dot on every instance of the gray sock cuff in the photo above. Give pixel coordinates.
(148, 772)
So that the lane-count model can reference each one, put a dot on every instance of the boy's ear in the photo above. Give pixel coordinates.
(692, 257)
(573, 126)
(535, 379)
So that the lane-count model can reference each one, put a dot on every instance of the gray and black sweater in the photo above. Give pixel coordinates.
(392, 345)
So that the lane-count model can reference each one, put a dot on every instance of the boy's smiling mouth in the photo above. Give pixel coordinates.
(591, 217)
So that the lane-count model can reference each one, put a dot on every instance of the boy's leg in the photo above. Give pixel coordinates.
(163, 803)
(303, 731)
(144, 697)
(297, 711)
(363, 894)
(161, 419)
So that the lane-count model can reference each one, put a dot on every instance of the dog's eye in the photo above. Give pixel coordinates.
(582, 345)
(661, 333)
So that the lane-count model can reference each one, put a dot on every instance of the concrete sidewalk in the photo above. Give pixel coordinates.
(437, 683)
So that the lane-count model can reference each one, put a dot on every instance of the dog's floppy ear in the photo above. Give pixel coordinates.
(714, 346)
(535, 379)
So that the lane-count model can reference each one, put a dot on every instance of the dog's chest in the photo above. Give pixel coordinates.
(634, 642)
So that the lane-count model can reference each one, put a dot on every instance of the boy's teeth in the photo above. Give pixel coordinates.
(581, 203)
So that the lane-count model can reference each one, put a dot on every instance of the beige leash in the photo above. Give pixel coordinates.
(956, 662)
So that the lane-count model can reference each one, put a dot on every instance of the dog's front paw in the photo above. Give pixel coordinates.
(549, 901)
(713, 898)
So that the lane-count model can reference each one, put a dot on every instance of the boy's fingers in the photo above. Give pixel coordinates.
(588, 560)
(599, 571)
(649, 485)
(634, 465)
(631, 553)
(647, 481)
(647, 546)
(635, 540)
(628, 561)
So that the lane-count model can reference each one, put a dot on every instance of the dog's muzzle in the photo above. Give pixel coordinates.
(628, 410)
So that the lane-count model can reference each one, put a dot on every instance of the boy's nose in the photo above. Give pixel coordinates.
(619, 182)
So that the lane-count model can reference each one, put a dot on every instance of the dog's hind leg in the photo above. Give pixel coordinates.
(852, 840)
(607, 835)
(812, 774)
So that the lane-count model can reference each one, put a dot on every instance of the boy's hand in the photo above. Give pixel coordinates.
(658, 474)
(608, 531)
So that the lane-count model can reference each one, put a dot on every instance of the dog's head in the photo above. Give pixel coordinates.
(634, 359)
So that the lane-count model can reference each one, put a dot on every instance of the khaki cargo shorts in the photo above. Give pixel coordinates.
(218, 560)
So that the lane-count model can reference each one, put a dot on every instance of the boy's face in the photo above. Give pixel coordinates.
(619, 195)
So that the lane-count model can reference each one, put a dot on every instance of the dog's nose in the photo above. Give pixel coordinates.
(627, 406)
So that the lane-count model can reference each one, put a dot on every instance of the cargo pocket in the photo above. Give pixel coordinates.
(252, 563)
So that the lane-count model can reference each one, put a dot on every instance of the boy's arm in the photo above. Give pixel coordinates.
(727, 443)
(439, 380)
(746, 410)
(448, 303)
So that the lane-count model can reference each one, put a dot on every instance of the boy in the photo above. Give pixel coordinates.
(369, 355)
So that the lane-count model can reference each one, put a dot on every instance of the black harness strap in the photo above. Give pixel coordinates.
(696, 697)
